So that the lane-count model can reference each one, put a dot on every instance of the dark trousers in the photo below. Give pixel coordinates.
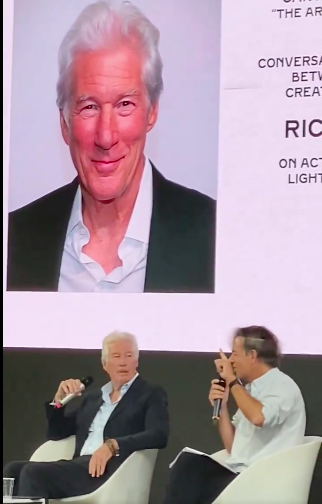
(56, 480)
(195, 479)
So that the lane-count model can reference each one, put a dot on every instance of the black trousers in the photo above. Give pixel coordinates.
(56, 480)
(195, 479)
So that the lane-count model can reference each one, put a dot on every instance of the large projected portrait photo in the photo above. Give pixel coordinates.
(111, 213)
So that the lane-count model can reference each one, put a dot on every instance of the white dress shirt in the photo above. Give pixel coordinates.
(284, 425)
(80, 273)
(95, 437)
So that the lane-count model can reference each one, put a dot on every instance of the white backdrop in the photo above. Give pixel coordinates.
(269, 243)
(189, 107)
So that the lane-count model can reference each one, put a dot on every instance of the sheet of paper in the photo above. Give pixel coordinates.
(213, 457)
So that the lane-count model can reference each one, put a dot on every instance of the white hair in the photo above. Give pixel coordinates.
(100, 25)
(117, 336)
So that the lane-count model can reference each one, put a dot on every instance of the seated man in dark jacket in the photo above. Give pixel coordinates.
(125, 415)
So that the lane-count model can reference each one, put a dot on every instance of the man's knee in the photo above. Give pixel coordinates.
(13, 469)
(8, 470)
(184, 466)
(187, 460)
(30, 472)
(33, 480)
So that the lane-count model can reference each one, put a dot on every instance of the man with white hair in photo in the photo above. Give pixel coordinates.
(124, 416)
(120, 226)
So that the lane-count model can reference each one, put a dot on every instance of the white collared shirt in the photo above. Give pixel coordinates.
(284, 425)
(95, 437)
(80, 273)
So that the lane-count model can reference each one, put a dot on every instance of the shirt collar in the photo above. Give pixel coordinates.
(108, 388)
(265, 379)
(139, 225)
(76, 216)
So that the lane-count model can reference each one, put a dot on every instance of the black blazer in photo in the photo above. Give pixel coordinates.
(181, 251)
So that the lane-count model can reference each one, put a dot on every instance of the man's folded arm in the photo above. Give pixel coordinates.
(277, 407)
(59, 424)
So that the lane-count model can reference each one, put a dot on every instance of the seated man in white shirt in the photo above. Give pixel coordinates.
(270, 417)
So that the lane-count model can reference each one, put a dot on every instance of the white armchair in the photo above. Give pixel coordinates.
(284, 477)
(130, 483)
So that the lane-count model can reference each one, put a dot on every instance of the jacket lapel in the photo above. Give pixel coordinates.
(130, 397)
(164, 243)
(53, 235)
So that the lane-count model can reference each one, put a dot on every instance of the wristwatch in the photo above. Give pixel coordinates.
(234, 382)
(115, 451)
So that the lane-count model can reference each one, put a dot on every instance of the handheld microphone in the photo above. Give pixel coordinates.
(85, 382)
(217, 403)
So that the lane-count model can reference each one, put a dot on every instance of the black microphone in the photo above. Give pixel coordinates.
(85, 382)
(217, 403)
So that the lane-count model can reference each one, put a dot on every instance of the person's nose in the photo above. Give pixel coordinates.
(123, 361)
(107, 132)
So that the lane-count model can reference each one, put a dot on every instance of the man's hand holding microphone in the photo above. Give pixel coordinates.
(67, 387)
(218, 392)
(218, 397)
(219, 389)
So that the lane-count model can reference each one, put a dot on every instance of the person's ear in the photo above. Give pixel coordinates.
(64, 128)
(253, 355)
(152, 116)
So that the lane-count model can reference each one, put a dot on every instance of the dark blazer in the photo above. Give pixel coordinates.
(181, 253)
(140, 420)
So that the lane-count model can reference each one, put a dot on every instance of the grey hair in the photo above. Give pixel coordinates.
(100, 25)
(117, 336)
(263, 341)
